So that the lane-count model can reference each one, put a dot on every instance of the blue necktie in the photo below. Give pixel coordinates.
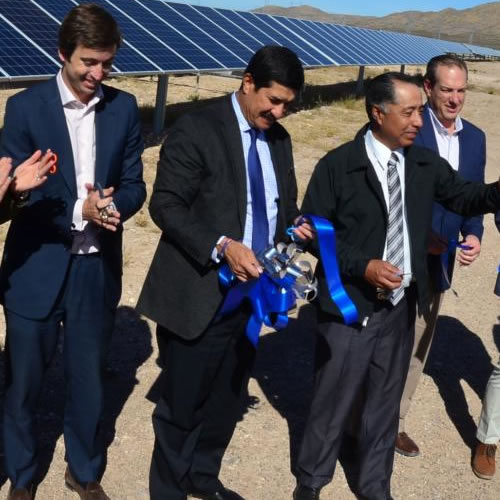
(260, 224)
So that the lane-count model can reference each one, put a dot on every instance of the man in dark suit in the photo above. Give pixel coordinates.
(464, 147)
(62, 260)
(378, 192)
(225, 190)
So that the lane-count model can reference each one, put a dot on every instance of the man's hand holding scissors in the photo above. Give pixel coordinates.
(99, 208)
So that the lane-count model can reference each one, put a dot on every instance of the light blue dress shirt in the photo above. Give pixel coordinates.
(271, 186)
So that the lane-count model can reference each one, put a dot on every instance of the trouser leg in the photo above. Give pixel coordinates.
(188, 392)
(384, 386)
(30, 346)
(87, 333)
(223, 409)
(425, 327)
(341, 363)
(488, 430)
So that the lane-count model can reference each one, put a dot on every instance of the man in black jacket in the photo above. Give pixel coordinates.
(225, 189)
(378, 192)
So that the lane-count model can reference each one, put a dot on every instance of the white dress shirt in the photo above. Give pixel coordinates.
(379, 155)
(448, 144)
(80, 119)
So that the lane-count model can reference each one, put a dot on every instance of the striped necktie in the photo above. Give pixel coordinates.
(395, 242)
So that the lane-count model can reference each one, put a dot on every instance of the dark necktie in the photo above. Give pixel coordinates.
(395, 242)
(260, 224)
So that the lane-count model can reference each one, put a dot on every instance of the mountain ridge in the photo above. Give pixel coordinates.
(477, 25)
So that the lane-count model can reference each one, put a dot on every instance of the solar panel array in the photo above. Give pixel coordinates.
(165, 37)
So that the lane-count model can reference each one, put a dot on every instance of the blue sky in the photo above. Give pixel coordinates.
(359, 7)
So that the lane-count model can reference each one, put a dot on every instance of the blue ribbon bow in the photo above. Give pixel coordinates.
(272, 297)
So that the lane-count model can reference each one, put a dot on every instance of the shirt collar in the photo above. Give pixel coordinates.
(242, 121)
(67, 96)
(441, 129)
(381, 152)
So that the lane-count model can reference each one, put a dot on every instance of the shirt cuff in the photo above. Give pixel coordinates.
(78, 224)
(214, 255)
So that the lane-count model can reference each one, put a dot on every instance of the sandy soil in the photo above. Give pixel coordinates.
(257, 463)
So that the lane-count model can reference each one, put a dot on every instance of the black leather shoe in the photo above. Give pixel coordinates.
(222, 494)
(302, 492)
(20, 493)
(87, 491)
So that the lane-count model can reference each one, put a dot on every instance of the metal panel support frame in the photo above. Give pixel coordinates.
(161, 103)
(360, 82)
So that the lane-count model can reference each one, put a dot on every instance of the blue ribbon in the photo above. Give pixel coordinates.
(268, 297)
(325, 234)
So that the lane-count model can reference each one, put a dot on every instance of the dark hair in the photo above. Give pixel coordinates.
(443, 60)
(88, 25)
(380, 90)
(273, 63)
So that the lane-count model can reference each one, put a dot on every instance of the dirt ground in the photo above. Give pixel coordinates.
(258, 461)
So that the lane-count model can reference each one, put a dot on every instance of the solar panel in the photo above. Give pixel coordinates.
(224, 23)
(30, 20)
(348, 49)
(307, 30)
(165, 33)
(301, 37)
(309, 55)
(482, 51)
(290, 38)
(349, 34)
(167, 37)
(207, 43)
(127, 57)
(209, 26)
(151, 46)
(19, 57)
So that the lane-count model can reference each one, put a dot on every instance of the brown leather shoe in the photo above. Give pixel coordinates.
(87, 491)
(20, 493)
(406, 446)
(483, 463)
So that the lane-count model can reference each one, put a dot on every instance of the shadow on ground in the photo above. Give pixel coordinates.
(284, 371)
(458, 354)
(130, 348)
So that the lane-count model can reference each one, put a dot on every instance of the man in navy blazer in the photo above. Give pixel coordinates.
(62, 260)
(464, 146)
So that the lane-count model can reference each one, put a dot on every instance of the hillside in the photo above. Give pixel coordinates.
(478, 25)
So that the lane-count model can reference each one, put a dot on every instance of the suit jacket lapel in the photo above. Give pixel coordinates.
(54, 115)
(277, 158)
(104, 123)
(427, 131)
(462, 152)
(231, 131)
